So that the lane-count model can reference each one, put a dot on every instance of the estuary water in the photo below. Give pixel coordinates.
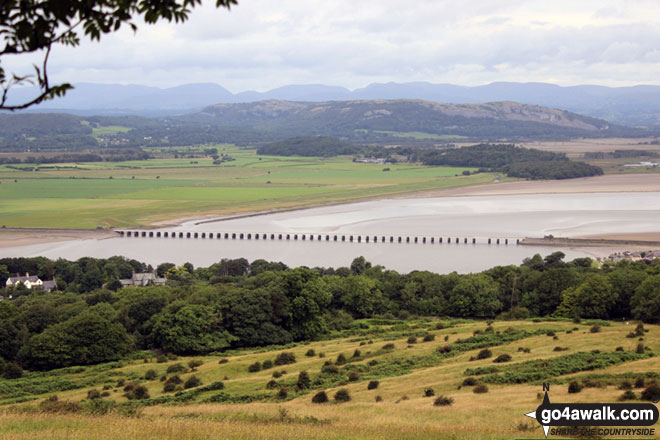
(480, 217)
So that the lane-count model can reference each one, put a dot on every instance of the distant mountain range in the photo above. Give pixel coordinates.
(632, 106)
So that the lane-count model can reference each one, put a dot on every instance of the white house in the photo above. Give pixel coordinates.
(31, 282)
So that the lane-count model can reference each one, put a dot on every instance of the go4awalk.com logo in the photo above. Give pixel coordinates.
(590, 418)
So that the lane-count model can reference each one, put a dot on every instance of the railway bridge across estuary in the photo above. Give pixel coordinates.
(342, 238)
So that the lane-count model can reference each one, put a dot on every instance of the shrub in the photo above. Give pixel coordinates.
(320, 397)
(282, 394)
(524, 349)
(574, 387)
(93, 394)
(550, 333)
(489, 329)
(625, 385)
(640, 330)
(595, 328)
(150, 375)
(639, 382)
(353, 376)
(502, 358)
(161, 359)
(372, 362)
(429, 338)
(619, 349)
(192, 382)
(439, 326)
(640, 348)
(285, 358)
(341, 359)
(388, 346)
(194, 363)
(303, 380)
(267, 364)
(651, 392)
(13, 371)
(342, 395)
(277, 374)
(329, 369)
(412, 340)
(446, 338)
(138, 392)
(321, 355)
(357, 353)
(168, 387)
(176, 368)
(628, 395)
(484, 354)
(480, 389)
(271, 385)
(443, 401)
(373, 385)
(469, 381)
(223, 361)
(379, 398)
(310, 353)
(56, 406)
(176, 380)
(253, 368)
(429, 392)
(444, 349)
(105, 394)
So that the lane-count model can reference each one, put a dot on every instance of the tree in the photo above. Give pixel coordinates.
(36, 26)
(594, 298)
(185, 328)
(84, 339)
(475, 296)
(645, 303)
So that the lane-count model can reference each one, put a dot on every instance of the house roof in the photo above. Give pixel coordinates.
(31, 278)
(50, 284)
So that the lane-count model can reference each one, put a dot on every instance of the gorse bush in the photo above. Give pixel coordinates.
(429, 338)
(373, 385)
(484, 354)
(443, 401)
(267, 364)
(651, 393)
(429, 392)
(176, 368)
(574, 387)
(342, 395)
(320, 397)
(192, 382)
(303, 380)
(150, 375)
(502, 358)
(285, 358)
(255, 367)
(310, 353)
(480, 389)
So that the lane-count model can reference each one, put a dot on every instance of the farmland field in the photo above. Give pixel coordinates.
(232, 403)
(118, 194)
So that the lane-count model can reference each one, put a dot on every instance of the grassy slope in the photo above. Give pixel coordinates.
(497, 414)
(89, 195)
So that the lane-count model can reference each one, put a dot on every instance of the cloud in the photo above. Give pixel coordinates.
(261, 44)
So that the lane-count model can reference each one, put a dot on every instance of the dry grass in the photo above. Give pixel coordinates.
(495, 415)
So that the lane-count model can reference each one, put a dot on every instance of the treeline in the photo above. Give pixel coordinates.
(106, 155)
(551, 170)
(515, 161)
(319, 146)
(619, 154)
(235, 303)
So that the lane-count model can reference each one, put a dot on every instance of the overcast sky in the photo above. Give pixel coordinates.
(263, 44)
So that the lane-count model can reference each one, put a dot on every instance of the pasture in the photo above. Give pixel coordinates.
(233, 403)
(131, 193)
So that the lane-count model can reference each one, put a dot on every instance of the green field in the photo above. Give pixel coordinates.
(119, 194)
(246, 408)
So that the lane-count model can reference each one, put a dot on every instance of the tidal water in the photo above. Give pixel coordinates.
(479, 217)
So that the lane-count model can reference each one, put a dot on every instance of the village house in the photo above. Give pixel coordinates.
(31, 282)
(143, 279)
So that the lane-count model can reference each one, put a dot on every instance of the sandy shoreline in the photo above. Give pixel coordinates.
(599, 184)
(15, 237)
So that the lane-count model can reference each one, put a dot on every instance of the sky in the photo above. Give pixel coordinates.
(263, 44)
